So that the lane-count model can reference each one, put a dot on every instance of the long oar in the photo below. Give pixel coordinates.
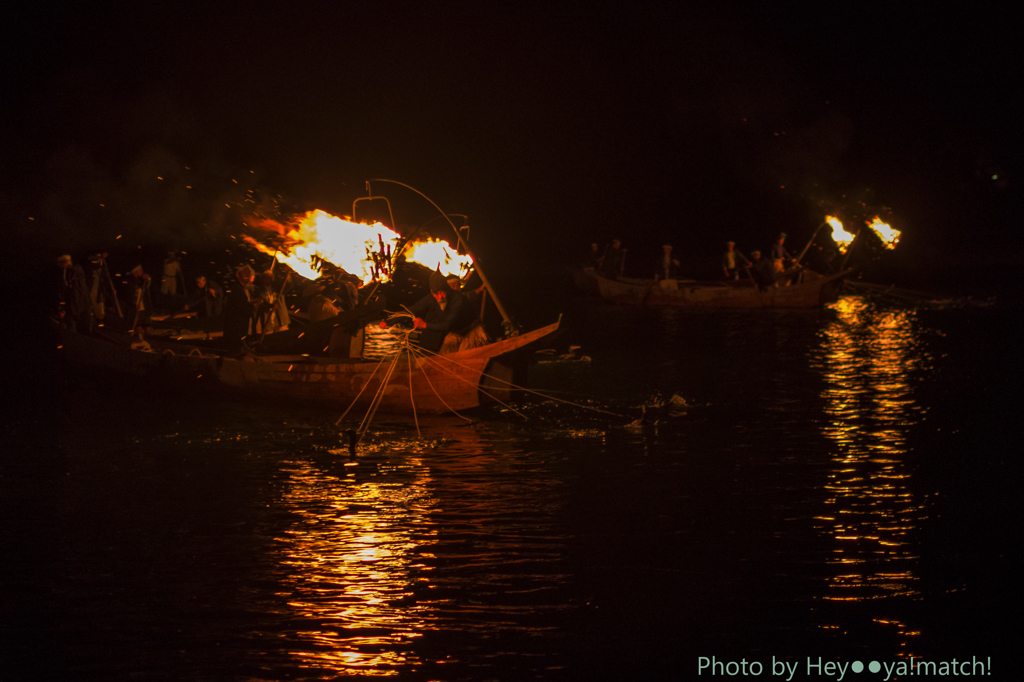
(809, 242)
(647, 292)
(113, 291)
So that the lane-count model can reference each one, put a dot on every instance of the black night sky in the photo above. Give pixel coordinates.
(550, 126)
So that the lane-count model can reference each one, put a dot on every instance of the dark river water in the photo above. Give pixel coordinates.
(772, 487)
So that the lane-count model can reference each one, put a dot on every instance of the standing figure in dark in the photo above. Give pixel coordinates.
(667, 266)
(100, 286)
(780, 256)
(762, 271)
(346, 288)
(732, 261)
(208, 299)
(440, 313)
(272, 316)
(614, 260)
(141, 299)
(172, 271)
(240, 308)
(470, 333)
(75, 308)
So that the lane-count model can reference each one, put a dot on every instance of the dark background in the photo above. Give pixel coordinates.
(549, 126)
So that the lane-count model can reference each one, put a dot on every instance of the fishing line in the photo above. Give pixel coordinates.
(522, 388)
(495, 399)
(365, 384)
(377, 399)
(412, 401)
(450, 408)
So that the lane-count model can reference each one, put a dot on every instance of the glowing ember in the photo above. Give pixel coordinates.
(350, 246)
(889, 235)
(438, 254)
(840, 236)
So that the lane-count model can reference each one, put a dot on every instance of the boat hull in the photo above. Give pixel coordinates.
(423, 382)
(812, 290)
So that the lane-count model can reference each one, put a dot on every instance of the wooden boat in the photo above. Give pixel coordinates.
(805, 289)
(424, 382)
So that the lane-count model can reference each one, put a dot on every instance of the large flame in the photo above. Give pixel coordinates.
(841, 237)
(350, 246)
(889, 235)
(319, 234)
(437, 254)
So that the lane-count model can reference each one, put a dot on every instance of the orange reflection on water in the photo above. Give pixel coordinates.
(868, 358)
(351, 561)
(423, 536)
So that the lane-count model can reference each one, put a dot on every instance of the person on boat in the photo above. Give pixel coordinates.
(667, 266)
(762, 271)
(240, 306)
(733, 261)
(472, 295)
(474, 335)
(100, 286)
(140, 297)
(273, 313)
(593, 259)
(322, 306)
(208, 300)
(347, 288)
(172, 271)
(327, 298)
(439, 313)
(780, 256)
(334, 292)
(74, 306)
(614, 260)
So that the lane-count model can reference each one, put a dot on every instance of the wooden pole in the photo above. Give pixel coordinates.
(138, 304)
(600, 261)
(809, 242)
(113, 291)
(181, 273)
(849, 249)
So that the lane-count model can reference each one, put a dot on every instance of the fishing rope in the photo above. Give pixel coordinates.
(430, 383)
(412, 401)
(492, 397)
(377, 399)
(521, 388)
(405, 345)
(423, 351)
(382, 389)
(365, 384)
